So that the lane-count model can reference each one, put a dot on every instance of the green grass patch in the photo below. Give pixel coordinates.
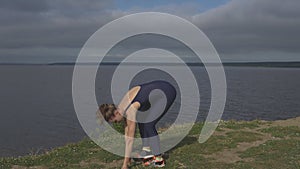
(235, 125)
(275, 154)
(95, 166)
(216, 143)
(196, 129)
(189, 153)
(63, 157)
(119, 127)
(244, 136)
(281, 132)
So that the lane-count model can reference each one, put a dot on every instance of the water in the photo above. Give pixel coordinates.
(37, 111)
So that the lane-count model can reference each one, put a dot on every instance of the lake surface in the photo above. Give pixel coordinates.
(37, 109)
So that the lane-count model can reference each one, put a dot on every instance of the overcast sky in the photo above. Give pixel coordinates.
(36, 31)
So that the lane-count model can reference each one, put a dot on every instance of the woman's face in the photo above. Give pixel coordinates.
(117, 117)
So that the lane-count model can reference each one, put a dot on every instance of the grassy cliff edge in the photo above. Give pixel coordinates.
(235, 144)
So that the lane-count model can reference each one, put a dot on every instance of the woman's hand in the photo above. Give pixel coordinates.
(126, 162)
(125, 166)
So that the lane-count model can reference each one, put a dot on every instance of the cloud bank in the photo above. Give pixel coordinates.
(241, 30)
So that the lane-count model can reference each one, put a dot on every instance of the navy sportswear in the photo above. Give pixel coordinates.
(148, 131)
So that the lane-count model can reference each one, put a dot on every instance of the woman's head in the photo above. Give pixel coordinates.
(110, 113)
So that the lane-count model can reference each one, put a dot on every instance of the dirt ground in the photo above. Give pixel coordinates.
(232, 156)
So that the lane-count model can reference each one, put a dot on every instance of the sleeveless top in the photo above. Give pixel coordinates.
(142, 95)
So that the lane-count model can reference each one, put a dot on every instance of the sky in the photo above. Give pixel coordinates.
(47, 31)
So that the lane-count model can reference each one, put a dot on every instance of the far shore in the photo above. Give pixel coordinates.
(287, 64)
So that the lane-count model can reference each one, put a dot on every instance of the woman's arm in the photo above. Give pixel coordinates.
(129, 132)
(122, 107)
(126, 100)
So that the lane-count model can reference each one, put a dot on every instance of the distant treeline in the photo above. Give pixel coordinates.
(252, 64)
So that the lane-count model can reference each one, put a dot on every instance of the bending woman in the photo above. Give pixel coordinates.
(137, 98)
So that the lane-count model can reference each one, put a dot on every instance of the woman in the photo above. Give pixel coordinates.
(137, 98)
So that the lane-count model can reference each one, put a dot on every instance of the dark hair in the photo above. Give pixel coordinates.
(107, 111)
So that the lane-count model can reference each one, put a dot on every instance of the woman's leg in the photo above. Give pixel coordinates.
(150, 134)
(152, 137)
(145, 142)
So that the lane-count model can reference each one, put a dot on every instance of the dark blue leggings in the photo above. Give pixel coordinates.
(148, 131)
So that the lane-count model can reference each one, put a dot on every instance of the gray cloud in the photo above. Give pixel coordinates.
(25, 6)
(240, 28)
(244, 26)
(51, 23)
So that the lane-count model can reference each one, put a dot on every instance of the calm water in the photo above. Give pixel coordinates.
(37, 110)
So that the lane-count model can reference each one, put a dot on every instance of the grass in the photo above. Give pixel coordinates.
(275, 154)
(280, 131)
(235, 144)
(233, 124)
